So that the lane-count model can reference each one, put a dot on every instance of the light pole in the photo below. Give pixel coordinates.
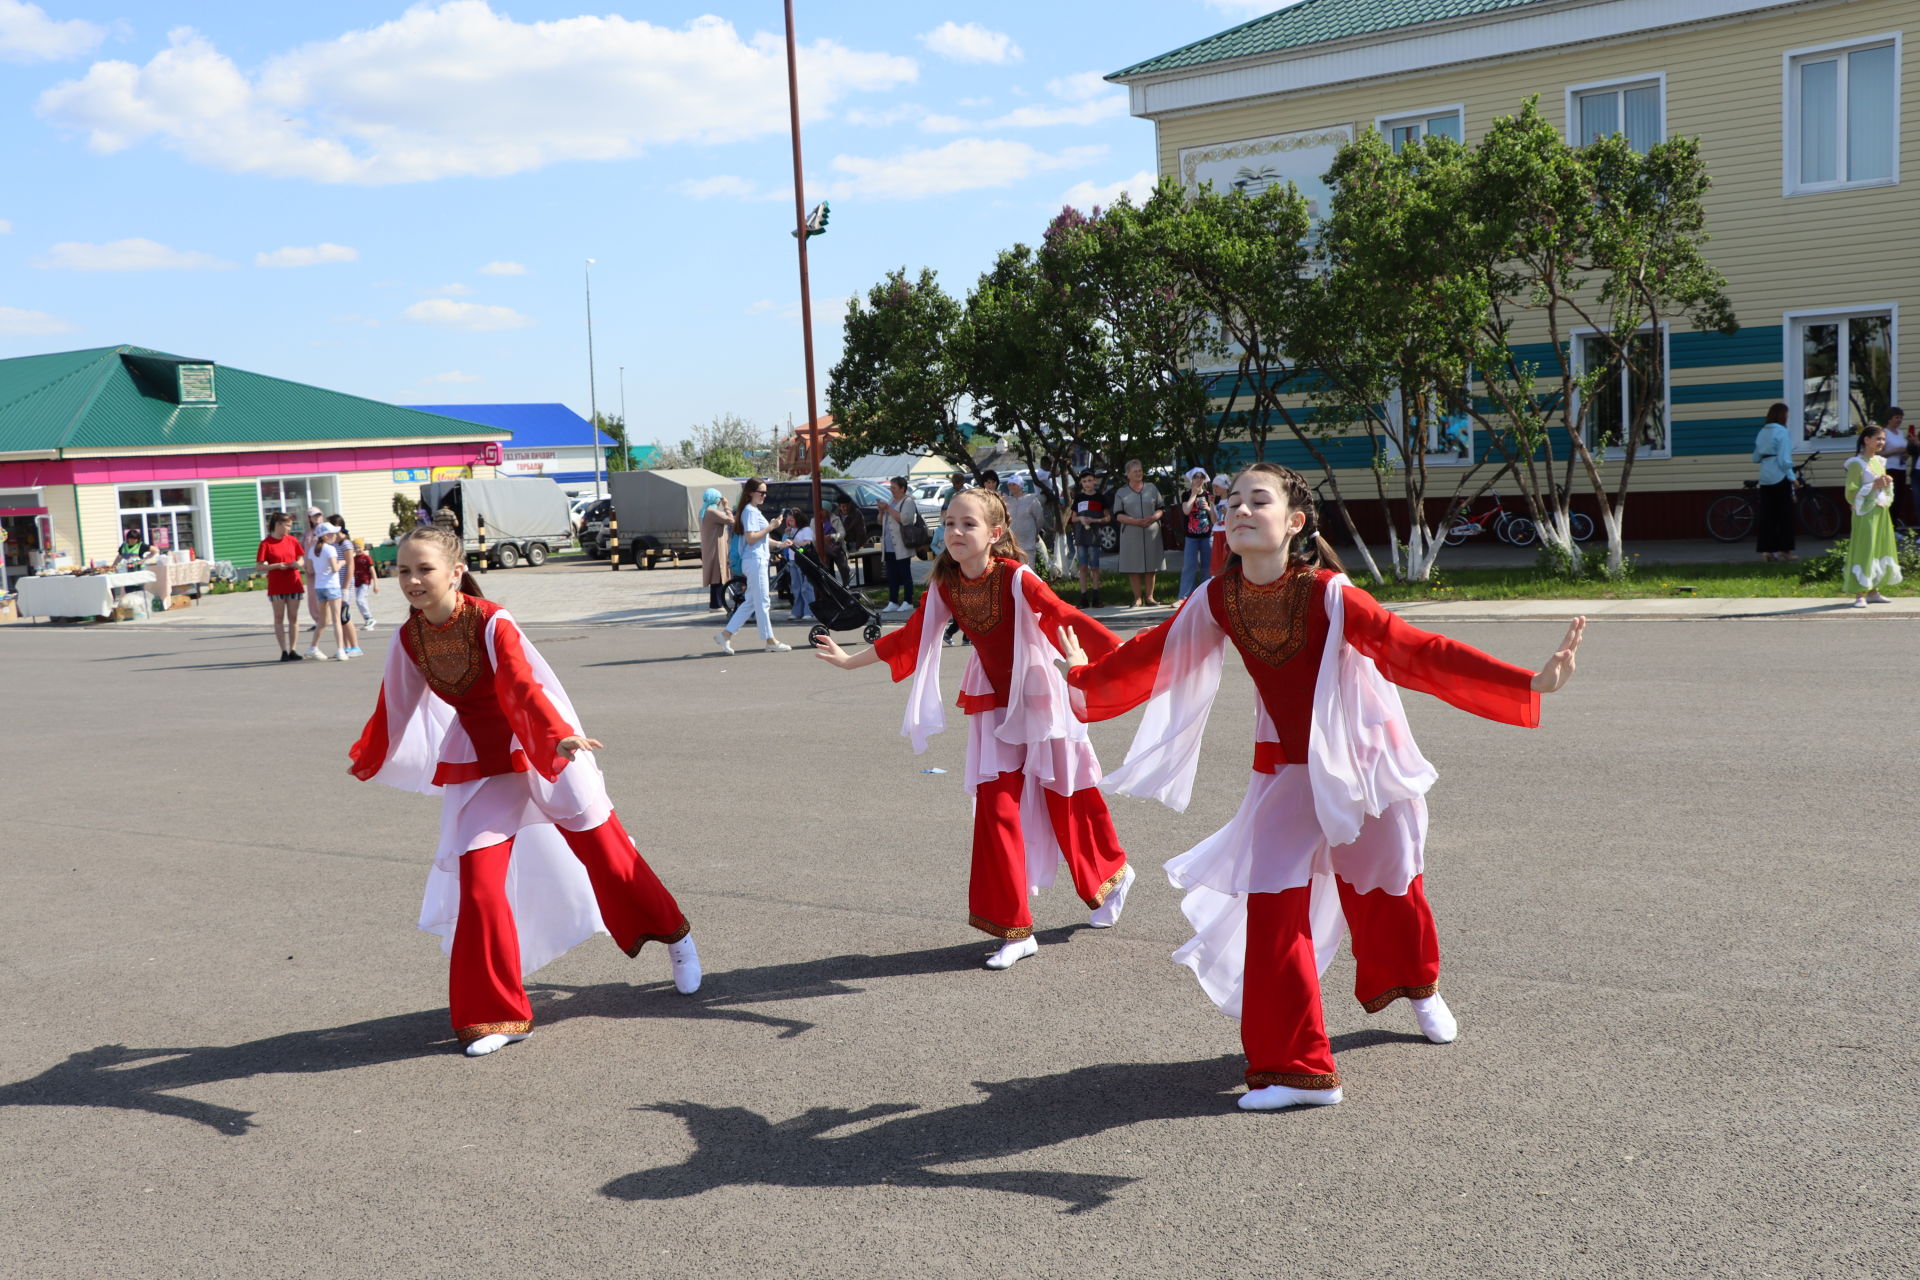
(593, 393)
(625, 430)
(802, 232)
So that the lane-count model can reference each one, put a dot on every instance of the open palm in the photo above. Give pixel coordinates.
(1559, 669)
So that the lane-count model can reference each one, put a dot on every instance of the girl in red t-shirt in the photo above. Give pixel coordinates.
(280, 555)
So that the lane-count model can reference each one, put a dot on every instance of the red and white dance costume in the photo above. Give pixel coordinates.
(532, 859)
(1331, 833)
(1033, 776)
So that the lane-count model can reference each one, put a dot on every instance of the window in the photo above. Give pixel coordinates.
(1636, 108)
(1441, 122)
(294, 494)
(1840, 367)
(1842, 104)
(1442, 425)
(165, 519)
(1625, 401)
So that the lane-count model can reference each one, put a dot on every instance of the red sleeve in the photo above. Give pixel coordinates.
(900, 648)
(1455, 673)
(370, 752)
(530, 713)
(1117, 683)
(1056, 613)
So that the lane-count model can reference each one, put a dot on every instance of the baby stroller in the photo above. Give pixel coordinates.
(835, 608)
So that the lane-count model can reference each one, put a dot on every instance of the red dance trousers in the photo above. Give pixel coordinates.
(1395, 946)
(486, 992)
(997, 895)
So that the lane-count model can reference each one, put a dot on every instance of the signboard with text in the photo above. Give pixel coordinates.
(412, 475)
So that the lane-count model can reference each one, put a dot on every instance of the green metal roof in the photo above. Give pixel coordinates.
(115, 397)
(1315, 22)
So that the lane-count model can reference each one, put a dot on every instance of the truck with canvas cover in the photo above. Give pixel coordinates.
(658, 513)
(508, 522)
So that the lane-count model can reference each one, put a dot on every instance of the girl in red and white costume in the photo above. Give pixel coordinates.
(1330, 835)
(532, 859)
(1030, 769)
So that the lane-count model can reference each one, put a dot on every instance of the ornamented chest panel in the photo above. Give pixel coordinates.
(1271, 622)
(451, 657)
(976, 603)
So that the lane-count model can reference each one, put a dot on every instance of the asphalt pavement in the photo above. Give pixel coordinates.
(1678, 924)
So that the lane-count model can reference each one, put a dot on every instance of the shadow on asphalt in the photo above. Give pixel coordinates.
(735, 1147)
(127, 1079)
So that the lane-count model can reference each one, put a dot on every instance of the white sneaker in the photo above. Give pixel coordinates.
(1276, 1096)
(368, 625)
(686, 965)
(489, 1044)
(1437, 1022)
(343, 655)
(1013, 952)
(313, 651)
(777, 647)
(725, 642)
(1107, 914)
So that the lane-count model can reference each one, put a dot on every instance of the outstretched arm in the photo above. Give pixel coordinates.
(827, 649)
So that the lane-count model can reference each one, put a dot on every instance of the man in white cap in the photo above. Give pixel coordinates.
(1198, 516)
(1222, 485)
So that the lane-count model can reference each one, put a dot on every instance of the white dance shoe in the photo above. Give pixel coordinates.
(1275, 1096)
(493, 1044)
(1437, 1022)
(686, 965)
(1107, 914)
(1013, 952)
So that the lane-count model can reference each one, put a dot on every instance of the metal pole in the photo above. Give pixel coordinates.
(593, 393)
(806, 299)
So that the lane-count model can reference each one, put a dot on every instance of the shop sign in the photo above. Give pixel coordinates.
(490, 454)
(412, 475)
(452, 473)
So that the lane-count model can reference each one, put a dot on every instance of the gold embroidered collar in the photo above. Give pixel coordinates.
(452, 655)
(1270, 622)
(976, 601)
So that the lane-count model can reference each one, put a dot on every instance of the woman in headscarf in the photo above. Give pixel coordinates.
(716, 518)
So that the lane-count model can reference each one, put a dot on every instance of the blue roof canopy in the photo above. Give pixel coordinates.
(534, 426)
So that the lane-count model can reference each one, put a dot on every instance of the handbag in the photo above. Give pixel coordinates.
(916, 537)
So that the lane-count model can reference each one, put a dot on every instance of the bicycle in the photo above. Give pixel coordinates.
(1508, 526)
(1731, 517)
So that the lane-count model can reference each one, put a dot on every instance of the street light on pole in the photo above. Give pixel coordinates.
(805, 228)
(626, 432)
(593, 393)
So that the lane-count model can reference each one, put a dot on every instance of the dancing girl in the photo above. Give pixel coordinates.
(532, 858)
(1030, 769)
(1331, 833)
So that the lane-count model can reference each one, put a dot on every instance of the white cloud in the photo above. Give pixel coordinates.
(884, 118)
(1081, 86)
(454, 375)
(971, 42)
(5, 226)
(945, 124)
(306, 256)
(27, 34)
(450, 291)
(455, 89)
(16, 323)
(976, 102)
(1036, 117)
(1085, 195)
(127, 255)
(473, 317)
(963, 165)
(504, 269)
(724, 184)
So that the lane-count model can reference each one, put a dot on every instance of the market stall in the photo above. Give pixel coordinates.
(77, 595)
(184, 578)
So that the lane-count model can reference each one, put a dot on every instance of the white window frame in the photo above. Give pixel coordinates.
(202, 527)
(1575, 355)
(299, 517)
(1446, 458)
(1384, 124)
(1619, 84)
(1790, 186)
(1793, 382)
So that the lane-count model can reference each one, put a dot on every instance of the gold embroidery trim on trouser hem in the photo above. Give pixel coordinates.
(1391, 994)
(1000, 930)
(686, 927)
(468, 1035)
(1292, 1080)
(1099, 897)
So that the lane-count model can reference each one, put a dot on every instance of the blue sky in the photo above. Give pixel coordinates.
(396, 201)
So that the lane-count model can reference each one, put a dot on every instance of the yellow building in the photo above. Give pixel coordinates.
(1799, 110)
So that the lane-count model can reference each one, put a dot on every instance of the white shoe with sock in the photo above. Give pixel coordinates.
(489, 1044)
(1012, 952)
(1276, 1096)
(1107, 914)
(1437, 1022)
(724, 640)
(686, 965)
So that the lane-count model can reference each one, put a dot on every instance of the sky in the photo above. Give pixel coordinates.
(399, 201)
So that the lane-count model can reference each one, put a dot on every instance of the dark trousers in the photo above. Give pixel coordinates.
(1775, 517)
(899, 579)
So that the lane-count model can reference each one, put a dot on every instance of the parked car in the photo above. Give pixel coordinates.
(580, 506)
(593, 526)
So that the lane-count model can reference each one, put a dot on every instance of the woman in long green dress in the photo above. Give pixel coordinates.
(1872, 556)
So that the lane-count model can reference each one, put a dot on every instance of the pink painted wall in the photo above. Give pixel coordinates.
(229, 466)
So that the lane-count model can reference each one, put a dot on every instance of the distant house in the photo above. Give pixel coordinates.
(192, 454)
(1799, 108)
(549, 440)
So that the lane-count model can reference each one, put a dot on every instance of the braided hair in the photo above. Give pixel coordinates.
(1308, 546)
(946, 569)
(451, 546)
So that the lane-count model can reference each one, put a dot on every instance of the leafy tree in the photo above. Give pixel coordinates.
(620, 453)
(901, 381)
(728, 445)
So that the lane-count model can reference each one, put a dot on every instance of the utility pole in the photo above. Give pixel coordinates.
(593, 393)
(802, 232)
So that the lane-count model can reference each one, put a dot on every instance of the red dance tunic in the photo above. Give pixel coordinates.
(1280, 630)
